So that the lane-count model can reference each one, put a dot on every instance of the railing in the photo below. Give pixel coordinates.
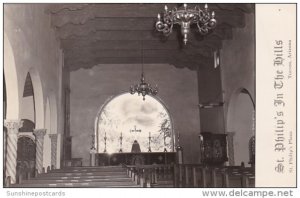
(196, 175)
(149, 175)
(192, 175)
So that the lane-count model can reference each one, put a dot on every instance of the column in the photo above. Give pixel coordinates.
(4, 150)
(230, 148)
(39, 138)
(53, 138)
(93, 156)
(12, 143)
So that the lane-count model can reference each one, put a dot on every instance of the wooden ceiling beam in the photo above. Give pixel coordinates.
(221, 33)
(92, 34)
(147, 45)
(137, 54)
(233, 19)
(80, 13)
(152, 57)
(188, 62)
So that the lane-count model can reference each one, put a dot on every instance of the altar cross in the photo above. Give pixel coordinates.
(135, 130)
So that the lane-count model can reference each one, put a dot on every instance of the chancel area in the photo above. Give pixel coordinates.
(129, 95)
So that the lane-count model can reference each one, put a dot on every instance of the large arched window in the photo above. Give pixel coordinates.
(131, 118)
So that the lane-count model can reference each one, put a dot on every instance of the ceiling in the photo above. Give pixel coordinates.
(92, 34)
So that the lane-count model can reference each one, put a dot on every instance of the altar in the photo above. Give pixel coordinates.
(142, 158)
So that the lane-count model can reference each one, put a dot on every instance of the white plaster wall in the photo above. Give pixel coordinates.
(238, 71)
(238, 61)
(90, 88)
(27, 108)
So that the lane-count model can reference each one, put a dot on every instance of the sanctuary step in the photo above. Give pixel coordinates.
(102, 177)
(161, 183)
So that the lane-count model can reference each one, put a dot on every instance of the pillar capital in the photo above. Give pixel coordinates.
(13, 126)
(53, 136)
(39, 133)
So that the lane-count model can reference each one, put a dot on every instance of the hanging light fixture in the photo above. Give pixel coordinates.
(204, 19)
(143, 88)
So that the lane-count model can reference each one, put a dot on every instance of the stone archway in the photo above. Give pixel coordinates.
(161, 138)
(53, 113)
(38, 98)
(240, 126)
(12, 112)
(11, 82)
(47, 140)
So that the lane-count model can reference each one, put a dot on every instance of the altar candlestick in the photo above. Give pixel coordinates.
(121, 138)
(149, 149)
(105, 138)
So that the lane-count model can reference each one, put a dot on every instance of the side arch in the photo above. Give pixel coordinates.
(241, 122)
(47, 141)
(48, 116)
(232, 106)
(38, 98)
(11, 81)
(53, 113)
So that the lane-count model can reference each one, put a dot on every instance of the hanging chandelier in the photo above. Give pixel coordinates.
(204, 19)
(143, 87)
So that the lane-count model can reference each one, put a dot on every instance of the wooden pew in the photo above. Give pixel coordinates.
(192, 175)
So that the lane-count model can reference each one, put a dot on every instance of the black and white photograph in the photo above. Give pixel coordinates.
(139, 95)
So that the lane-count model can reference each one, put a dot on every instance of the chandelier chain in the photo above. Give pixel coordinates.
(143, 87)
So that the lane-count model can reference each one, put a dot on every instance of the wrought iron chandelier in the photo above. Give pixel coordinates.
(204, 19)
(143, 87)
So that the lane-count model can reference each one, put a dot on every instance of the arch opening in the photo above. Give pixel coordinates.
(27, 110)
(38, 98)
(128, 119)
(240, 120)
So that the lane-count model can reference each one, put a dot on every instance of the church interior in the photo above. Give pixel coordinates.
(129, 95)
